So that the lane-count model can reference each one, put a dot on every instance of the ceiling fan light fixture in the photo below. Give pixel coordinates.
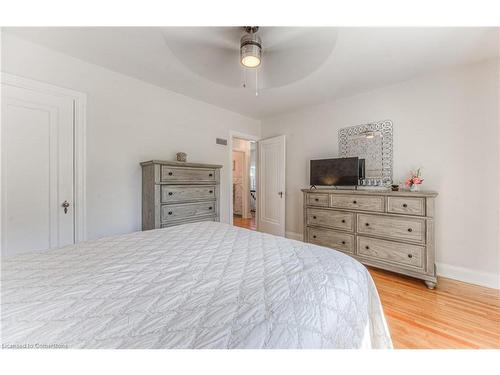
(250, 50)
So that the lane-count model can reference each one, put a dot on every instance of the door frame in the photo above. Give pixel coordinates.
(248, 137)
(79, 143)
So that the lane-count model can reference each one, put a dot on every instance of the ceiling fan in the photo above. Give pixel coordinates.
(250, 56)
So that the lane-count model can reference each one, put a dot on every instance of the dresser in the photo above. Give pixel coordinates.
(176, 193)
(389, 230)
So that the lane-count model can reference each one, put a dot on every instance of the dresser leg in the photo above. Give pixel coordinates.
(430, 284)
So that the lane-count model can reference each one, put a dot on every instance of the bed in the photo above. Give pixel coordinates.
(199, 285)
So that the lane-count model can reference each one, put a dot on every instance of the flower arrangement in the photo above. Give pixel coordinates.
(414, 180)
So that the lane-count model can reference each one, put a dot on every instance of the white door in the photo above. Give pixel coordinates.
(271, 169)
(37, 171)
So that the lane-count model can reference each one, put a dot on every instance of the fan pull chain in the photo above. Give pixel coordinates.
(256, 83)
(243, 77)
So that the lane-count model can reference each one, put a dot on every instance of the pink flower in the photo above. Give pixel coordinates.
(409, 182)
(417, 180)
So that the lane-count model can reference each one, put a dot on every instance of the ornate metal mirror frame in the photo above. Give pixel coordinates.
(372, 142)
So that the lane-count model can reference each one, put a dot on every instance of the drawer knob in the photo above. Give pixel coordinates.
(405, 205)
(170, 193)
(210, 175)
(170, 173)
(210, 207)
(367, 247)
(354, 202)
(367, 224)
(314, 236)
(410, 230)
(343, 220)
(210, 191)
(410, 256)
(314, 217)
(316, 199)
(170, 212)
(343, 242)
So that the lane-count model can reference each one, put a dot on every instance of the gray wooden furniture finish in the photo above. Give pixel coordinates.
(176, 193)
(384, 229)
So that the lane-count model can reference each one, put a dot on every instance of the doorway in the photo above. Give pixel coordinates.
(244, 183)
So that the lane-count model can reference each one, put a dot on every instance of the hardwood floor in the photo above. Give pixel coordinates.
(245, 223)
(454, 315)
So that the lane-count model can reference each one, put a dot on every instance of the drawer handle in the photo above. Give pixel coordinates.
(210, 207)
(367, 224)
(343, 220)
(314, 236)
(170, 193)
(210, 175)
(170, 173)
(354, 202)
(343, 242)
(314, 217)
(170, 212)
(410, 230)
(367, 247)
(410, 256)
(210, 191)
(405, 205)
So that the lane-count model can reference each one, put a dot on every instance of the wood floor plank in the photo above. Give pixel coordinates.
(245, 223)
(454, 315)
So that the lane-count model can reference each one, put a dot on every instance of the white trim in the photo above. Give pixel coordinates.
(294, 236)
(229, 182)
(80, 125)
(469, 275)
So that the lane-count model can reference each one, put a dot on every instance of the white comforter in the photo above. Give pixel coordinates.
(201, 285)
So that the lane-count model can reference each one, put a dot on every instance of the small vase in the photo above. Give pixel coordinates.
(414, 187)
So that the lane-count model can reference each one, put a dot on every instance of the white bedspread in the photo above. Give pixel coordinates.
(201, 285)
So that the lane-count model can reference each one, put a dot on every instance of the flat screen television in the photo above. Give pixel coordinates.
(337, 172)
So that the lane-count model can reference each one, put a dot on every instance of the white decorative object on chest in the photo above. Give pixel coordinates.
(389, 230)
(176, 193)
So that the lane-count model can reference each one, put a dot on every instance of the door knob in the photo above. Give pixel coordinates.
(65, 205)
(280, 194)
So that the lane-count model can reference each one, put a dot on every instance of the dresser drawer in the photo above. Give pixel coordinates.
(315, 199)
(169, 173)
(392, 252)
(177, 211)
(357, 202)
(406, 205)
(331, 219)
(330, 238)
(186, 221)
(182, 193)
(402, 228)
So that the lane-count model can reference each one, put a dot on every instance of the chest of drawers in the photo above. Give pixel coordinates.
(175, 193)
(388, 230)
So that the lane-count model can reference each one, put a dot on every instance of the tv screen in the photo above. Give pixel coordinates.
(335, 172)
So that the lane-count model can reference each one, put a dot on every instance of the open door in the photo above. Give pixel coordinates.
(271, 172)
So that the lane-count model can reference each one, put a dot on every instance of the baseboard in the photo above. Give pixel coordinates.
(469, 275)
(294, 236)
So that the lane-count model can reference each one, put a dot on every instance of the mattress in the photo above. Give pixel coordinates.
(199, 285)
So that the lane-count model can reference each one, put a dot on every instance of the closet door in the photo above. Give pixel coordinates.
(37, 170)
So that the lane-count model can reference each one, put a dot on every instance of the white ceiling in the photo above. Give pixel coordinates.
(324, 64)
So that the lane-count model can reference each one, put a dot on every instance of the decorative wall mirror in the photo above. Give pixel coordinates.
(372, 142)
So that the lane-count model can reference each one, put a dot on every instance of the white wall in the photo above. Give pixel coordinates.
(446, 123)
(128, 121)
